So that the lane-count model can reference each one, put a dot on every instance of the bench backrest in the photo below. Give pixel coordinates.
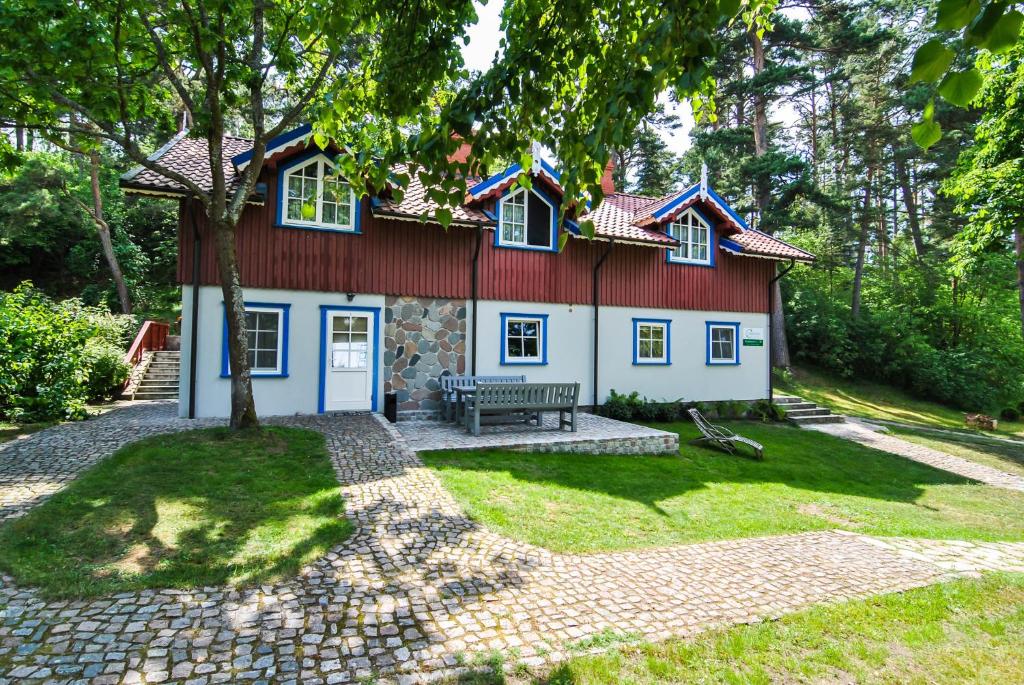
(449, 383)
(512, 395)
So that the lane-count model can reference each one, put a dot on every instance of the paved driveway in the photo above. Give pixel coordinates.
(418, 587)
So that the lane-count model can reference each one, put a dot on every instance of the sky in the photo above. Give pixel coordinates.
(483, 42)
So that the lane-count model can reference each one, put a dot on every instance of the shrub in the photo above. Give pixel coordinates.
(55, 356)
(766, 411)
(622, 407)
(1010, 414)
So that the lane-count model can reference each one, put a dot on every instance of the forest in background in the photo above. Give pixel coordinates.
(915, 283)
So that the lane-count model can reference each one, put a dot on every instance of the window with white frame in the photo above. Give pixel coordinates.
(523, 339)
(722, 343)
(694, 236)
(266, 328)
(651, 341)
(315, 195)
(526, 220)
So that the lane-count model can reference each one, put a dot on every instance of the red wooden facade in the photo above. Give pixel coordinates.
(395, 257)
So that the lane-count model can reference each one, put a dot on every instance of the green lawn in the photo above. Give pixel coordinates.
(968, 631)
(875, 401)
(10, 431)
(808, 481)
(204, 507)
(998, 454)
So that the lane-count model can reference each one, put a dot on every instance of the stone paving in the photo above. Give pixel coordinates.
(419, 587)
(926, 455)
(595, 435)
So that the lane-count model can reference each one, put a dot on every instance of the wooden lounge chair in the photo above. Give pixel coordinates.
(722, 436)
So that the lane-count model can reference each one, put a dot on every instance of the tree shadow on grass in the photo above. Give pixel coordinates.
(804, 460)
(206, 507)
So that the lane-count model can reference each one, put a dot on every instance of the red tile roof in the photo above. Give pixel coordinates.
(757, 244)
(621, 216)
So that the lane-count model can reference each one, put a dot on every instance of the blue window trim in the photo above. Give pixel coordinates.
(554, 221)
(543, 318)
(279, 218)
(735, 342)
(322, 385)
(712, 242)
(225, 361)
(637, 361)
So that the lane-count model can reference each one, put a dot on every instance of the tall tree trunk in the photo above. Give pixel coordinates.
(814, 133)
(243, 407)
(103, 229)
(1018, 242)
(862, 243)
(779, 342)
(19, 138)
(910, 203)
(762, 192)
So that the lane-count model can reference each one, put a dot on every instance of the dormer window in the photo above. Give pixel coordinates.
(694, 236)
(315, 196)
(526, 220)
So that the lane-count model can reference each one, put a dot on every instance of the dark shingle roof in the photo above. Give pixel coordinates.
(189, 157)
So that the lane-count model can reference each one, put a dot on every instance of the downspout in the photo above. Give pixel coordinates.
(597, 314)
(771, 339)
(193, 351)
(475, 294)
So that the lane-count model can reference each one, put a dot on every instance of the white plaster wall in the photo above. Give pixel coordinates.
(298, 393)
(570, 353)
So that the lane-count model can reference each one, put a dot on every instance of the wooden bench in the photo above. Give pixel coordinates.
(449, 383)
(722, 436)
(528, 399)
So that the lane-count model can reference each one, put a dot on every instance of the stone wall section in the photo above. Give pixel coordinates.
(423, 338)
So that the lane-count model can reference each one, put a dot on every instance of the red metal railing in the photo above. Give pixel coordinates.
(152, 336)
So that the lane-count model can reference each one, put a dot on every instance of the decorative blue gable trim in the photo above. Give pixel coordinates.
(274, 144)
(377, 352)
(728, 210)
(279, 218)
(554, 222)
(479, 188)
(735, 342)
(730, 245)
(543, 318)
(637, 361)
(225, 361)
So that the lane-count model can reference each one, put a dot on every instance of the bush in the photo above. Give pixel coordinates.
(767, 412)
(622, 407)
(55, 356)
(1010, 414)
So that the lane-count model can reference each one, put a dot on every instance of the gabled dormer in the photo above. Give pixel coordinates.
(311, 194)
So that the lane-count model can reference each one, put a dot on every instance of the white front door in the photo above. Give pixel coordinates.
(348, 382)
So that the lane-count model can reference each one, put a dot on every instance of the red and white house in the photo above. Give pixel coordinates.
(349, 298)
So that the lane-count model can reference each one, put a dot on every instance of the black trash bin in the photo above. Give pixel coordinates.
(391, 406)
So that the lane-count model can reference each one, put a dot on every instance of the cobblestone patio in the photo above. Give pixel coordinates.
(879, 440)
(419, 587)
(594, 435)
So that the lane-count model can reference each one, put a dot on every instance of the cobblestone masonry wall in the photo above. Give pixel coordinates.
(422, 338)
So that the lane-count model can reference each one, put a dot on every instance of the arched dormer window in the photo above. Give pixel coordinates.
(696, 239)
(527, 220)
(313, 195)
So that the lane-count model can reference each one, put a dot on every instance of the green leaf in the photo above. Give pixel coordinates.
(444, 216)
(1005, 33)
(960, 87)
(308, 211)
(728, 8)
(929, 111)
(562, 240)
(926, 133)
(956, 14)
(980, 29)
(931, 61)
(587, 229)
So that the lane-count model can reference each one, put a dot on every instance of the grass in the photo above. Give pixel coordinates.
(10, 431)
(997, 453)
(876, 401)
(808, 481)
(967, 631)
(204, 507)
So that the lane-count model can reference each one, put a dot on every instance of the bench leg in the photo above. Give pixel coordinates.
(476, 423)
(540, 419)
(575, 416)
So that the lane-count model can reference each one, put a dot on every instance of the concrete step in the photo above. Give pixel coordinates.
(807, 411)
(796, 406)
(787, 399)
(156, 396)
(828, 418)
(158, 387)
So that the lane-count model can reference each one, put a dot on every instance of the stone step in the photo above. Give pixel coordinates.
(796, 406)
(787, 399)
(828, 418)
(151, 372)
(158, 387)
(807, 411)
(155, 396)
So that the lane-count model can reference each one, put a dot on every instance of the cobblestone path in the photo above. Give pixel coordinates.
(419, 587)
(925, 455)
